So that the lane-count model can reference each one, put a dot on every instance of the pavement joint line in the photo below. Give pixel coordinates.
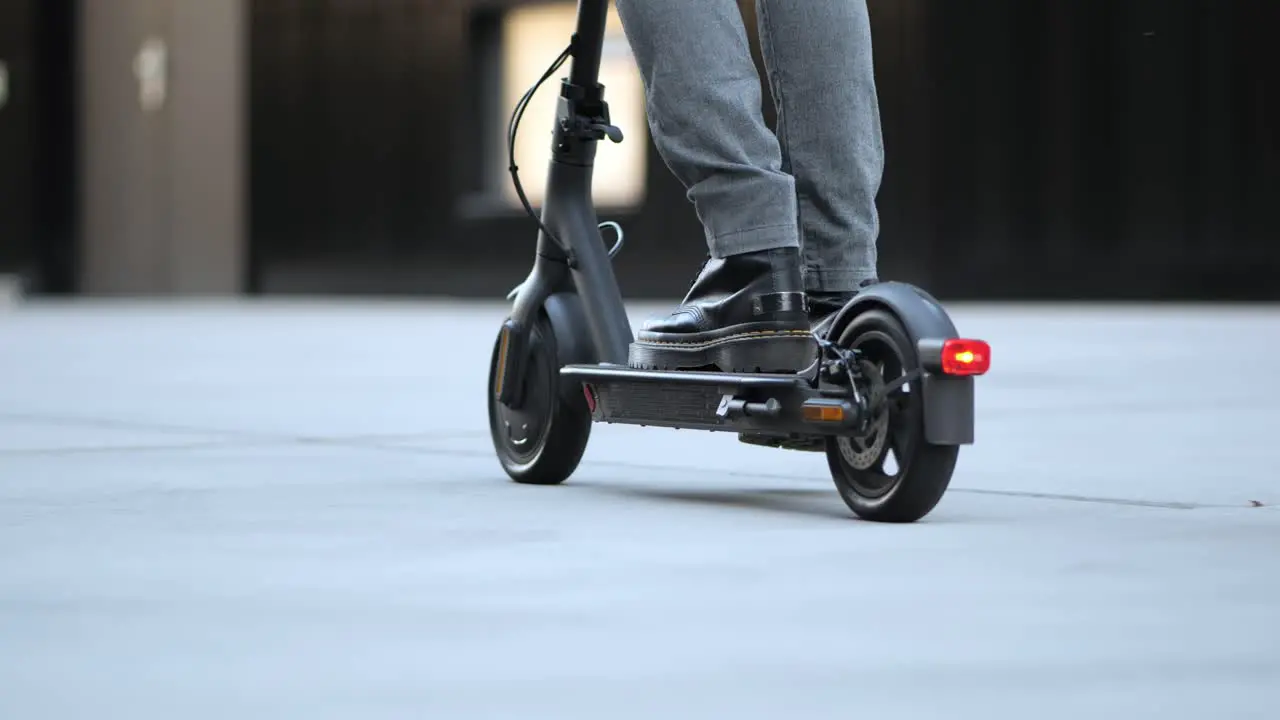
(109, 449)
(108, 423)
(1017, 494)
(229, 442)
(1160, 504)
(381, 442)
(166, 428)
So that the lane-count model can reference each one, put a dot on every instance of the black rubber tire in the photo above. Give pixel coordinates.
(925, 471)
(566, 421)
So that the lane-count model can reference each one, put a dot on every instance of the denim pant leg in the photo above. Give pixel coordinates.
(819, 61)
(703, 98)
(815, 183)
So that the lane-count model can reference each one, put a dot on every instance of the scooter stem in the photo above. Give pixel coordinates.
(588, 43)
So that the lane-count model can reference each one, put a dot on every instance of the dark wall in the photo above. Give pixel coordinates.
(1037, 148)
(37, 143)
(1119, 148)
(350, 128)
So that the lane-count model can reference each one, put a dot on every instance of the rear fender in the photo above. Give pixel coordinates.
(948, 401)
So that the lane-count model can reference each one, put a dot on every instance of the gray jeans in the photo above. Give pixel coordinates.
(814, 184)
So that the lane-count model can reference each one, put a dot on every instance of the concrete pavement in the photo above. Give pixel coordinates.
(291, 509)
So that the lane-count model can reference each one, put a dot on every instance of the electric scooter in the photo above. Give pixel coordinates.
(888, 397)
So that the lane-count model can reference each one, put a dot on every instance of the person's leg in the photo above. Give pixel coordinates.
(747, 308)
(819, 61)
(703, 99)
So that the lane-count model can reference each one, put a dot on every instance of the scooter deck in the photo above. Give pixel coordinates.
(776, 405)
(683, 378)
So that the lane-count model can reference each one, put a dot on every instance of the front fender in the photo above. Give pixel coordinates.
(569, 323)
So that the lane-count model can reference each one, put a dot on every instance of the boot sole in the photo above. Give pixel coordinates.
(769, 351)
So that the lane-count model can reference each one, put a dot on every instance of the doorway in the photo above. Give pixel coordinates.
(161, 130)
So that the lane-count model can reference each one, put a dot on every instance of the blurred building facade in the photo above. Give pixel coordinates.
(1037, 148)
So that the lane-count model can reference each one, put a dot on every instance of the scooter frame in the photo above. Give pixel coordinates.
(572, 280)
(572, 277)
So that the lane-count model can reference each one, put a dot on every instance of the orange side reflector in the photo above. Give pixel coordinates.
(500, 374)
(823, 413)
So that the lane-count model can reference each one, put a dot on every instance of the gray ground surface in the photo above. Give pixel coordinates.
(292, 510)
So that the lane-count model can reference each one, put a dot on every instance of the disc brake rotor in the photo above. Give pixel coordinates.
(862, 452)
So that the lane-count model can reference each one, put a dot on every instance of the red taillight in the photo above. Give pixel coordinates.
(591, 397)
(965, 357)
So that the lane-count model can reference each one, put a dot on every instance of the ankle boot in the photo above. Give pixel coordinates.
(744, 313)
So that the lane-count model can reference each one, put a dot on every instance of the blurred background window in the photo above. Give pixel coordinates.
(532, 37)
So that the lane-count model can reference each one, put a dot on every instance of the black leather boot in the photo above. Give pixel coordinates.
(744, 313)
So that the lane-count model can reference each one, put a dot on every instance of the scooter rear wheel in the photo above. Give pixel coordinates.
(889, 473)
(542, 442)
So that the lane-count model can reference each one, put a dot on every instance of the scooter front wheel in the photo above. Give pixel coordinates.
(542, 441)
(889, 473)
